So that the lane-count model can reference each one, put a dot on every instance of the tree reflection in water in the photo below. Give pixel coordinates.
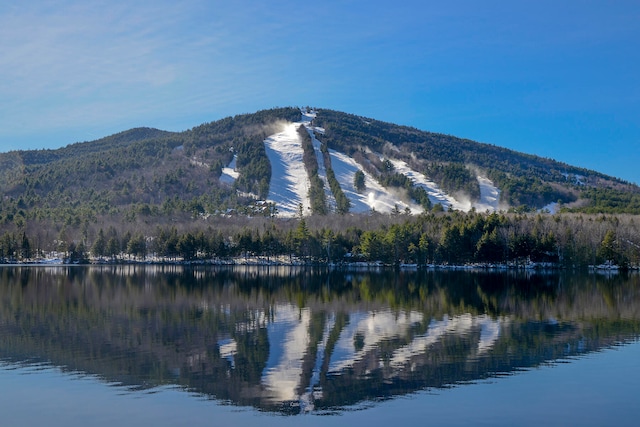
(296, 340)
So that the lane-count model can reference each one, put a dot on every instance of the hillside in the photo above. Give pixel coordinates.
(461, 166)
(275, 161)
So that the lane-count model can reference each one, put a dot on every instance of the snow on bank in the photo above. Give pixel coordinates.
(289, 181)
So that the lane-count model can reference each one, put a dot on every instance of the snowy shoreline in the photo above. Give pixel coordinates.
(286, 261)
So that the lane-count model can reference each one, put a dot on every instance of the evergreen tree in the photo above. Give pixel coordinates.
(99, 247)
(359, 181)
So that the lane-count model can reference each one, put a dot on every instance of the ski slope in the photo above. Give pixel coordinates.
(289, 187)
(290, 184)
(375, 197)
(229, 174)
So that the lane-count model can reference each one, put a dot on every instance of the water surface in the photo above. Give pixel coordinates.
(167, 345)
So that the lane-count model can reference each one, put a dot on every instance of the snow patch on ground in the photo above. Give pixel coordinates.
(229, 174)
(489, 195)
(308, 116)
(574, 178)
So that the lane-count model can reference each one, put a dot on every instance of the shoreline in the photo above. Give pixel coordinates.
(348, 266)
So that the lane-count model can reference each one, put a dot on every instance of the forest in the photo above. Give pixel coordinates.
(573, 241)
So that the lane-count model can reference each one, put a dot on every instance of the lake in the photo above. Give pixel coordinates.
(173, 345)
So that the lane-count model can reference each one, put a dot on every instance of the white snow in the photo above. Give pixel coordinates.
(229, 174)
(375, 197)
(289, 181)
(577, 179)
(489, 195)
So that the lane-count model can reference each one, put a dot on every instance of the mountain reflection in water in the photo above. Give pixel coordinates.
(298, 340)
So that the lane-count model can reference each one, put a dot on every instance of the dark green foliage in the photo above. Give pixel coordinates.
(119, 140)
(398, 180)
(254, 167)
(342, 202)
(568, 240)
(76, 254)
(99, 247)
(8, 247)
(454, 178)
(610, 201)
(358, 181)
(316, 191)
(421, 196)
(529, 191)
(137, 245)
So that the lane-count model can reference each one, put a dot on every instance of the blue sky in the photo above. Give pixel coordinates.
(556, 79)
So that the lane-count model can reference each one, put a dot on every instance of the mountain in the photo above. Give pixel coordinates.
(287, 161)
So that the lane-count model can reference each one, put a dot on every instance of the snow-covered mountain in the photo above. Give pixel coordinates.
(254, 164)
(289, 187)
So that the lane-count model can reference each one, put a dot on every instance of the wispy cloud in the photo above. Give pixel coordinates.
(90, 67)
(84, 63)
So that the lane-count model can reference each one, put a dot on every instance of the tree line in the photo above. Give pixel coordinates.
(453, 238)
(317, 195)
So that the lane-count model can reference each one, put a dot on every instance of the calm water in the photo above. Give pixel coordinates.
(138, 345)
